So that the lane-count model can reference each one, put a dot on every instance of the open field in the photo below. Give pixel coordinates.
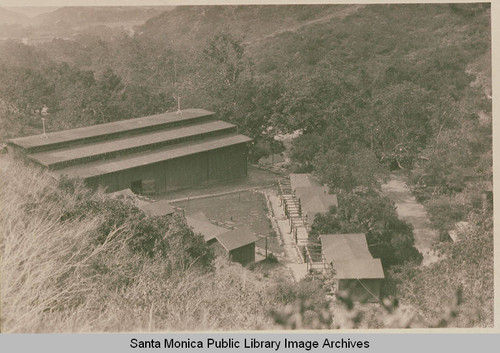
(244, 208)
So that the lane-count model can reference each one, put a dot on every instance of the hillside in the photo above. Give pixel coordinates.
(11, 17)
(196, 23)
(77, 16)
(69, 22)
(69, 272)
(372, 89)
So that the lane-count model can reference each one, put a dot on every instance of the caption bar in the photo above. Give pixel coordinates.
(249, 343)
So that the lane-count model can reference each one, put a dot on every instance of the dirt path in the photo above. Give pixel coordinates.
(339, 14)
(280, 222)
(413, 212)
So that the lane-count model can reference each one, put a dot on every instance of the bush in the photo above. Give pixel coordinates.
(444, 212)
(388, 237)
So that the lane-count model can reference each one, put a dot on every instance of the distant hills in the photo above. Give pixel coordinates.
(66, 22)
(32, 11)
(12, 17)
(257, 22)
(105, 14)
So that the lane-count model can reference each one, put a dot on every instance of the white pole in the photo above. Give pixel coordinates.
(44, 135)
(179, 111)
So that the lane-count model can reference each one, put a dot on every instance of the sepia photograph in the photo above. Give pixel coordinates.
(270, 167)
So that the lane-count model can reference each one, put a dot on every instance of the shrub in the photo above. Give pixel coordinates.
(388, 237)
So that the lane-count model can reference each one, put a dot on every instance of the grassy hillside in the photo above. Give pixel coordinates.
(75, 261)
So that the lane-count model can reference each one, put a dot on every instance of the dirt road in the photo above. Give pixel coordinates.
(413, 212)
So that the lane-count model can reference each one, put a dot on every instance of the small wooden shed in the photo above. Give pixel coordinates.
(158, 208)
(356, 271)
(238, 244)
(201, 224)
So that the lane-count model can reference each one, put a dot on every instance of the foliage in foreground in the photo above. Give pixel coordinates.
(61, 274)
(74, 261)
(66, 267)
(467, 266)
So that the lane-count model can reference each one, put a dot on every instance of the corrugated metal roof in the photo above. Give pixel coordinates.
(108, 128)
(350, 256)
(102, 167)
(100, 148)
(158, 208)
(236, 238)
(200, 224)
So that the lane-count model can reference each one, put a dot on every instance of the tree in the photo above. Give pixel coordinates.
(401, 114)
(348, 170)
(304, 149)
(226, 54)
(388, 237)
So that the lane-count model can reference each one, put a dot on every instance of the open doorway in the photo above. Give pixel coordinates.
(136, 187)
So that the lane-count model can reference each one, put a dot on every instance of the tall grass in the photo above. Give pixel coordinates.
(56, 278)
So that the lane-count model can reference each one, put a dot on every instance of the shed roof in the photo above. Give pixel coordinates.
(317, 202)
(158, 208)
(200, 224)
(310, 191)
(128, 194)
(123, 193)
(302, 180)
(342, 247)
(362, 269)
(109, 128)
(102, 167)
(236, 238)
(350, 256)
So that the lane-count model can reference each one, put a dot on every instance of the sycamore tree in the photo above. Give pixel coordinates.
(230, 89)
(401, 115)
(347, 170)
(365, 211)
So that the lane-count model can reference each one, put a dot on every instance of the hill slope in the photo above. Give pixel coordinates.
(10, 17)
(90, 15)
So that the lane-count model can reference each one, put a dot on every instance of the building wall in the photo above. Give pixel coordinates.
(358, 292)
(243, 255)
(186, 171)
(218, 248)
(125, 178)
(227, 163)
(211, 166)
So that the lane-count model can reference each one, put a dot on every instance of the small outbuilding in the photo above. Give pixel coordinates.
(158, 208)
(238, 244)
(314, 200)
(302, 180)
(356, 271)
(201, 224)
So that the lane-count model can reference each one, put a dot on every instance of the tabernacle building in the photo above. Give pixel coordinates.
(152, 154)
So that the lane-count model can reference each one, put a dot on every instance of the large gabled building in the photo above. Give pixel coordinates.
(153, 154)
